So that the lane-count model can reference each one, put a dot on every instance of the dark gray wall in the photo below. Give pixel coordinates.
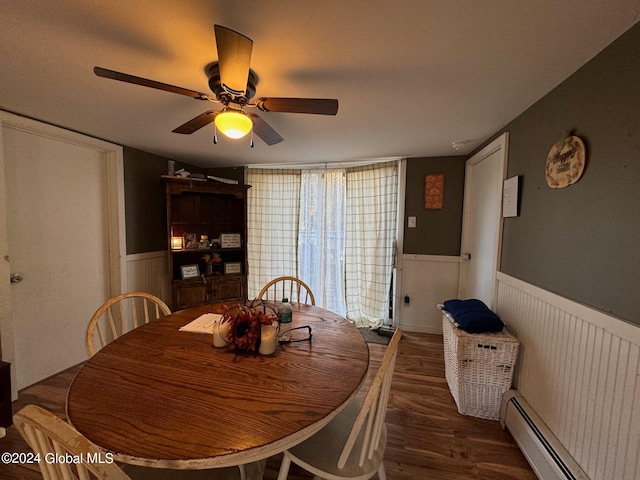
(145, 201)
(438, 232)
(582, 241)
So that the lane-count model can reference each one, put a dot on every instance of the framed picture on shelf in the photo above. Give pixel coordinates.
(232, 267)
(189, 271)
(190, 240)
(230, 240)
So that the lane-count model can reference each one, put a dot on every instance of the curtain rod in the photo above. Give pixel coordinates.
(325, 165)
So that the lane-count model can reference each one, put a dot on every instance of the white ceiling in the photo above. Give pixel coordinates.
(411, 76)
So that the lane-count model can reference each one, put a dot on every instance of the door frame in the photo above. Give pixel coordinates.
(112, 155)
(397, 287)
(500, 144)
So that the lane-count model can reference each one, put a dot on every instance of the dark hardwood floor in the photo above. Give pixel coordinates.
(427, 438)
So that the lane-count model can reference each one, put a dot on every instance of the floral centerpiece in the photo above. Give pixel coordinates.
(245, 325)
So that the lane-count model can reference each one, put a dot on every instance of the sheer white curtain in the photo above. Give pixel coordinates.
(321, 236)
(372, 199)
(273, 209)
(335, 229)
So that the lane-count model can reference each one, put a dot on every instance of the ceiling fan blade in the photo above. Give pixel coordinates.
(264, 130)
(234, 58)
(125, 77)
(319, 106)
(197, 123)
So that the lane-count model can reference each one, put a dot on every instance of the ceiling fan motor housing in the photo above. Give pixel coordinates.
(213, 72)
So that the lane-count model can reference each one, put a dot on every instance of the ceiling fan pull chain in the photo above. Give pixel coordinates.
(251, 138)
(215, 134)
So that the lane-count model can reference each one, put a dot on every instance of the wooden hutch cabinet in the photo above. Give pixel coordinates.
(214, 270)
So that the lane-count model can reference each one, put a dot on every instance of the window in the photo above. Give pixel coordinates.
(334, 229)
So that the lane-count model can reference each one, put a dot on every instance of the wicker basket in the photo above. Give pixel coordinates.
(479, 368)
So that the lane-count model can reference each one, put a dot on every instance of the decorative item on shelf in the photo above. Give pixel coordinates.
(213, 262)
(204, 242)
(230, 240)
(177, 243)
(231, 268)
(243, 325)
(190, 240)
(189, 271)
(215, 242)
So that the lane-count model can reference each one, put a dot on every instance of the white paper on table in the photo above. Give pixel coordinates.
(202, 324)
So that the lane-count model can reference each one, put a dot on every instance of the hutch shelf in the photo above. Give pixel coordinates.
(206, 237)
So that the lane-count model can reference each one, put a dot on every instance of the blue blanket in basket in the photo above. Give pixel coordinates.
(473, 316)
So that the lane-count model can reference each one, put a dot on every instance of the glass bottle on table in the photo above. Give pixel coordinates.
(285, 317)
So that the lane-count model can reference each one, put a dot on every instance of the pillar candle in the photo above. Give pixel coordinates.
(220, 331)
(267, 340)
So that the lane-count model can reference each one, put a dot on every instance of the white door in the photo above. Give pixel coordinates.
(58, 211)
(482, 222)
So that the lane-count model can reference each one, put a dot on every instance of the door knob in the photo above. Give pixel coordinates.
(466, 256)
(15, 277)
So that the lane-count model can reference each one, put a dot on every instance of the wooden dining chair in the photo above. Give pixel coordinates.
(121, 314)
(66, 454)
(352, 445)
(53, 439)
(290, 287)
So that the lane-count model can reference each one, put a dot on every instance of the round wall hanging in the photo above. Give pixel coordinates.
(565, 162)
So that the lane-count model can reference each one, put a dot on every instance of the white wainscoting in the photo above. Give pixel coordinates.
(427, 280)
(148, 272)
(579, 369)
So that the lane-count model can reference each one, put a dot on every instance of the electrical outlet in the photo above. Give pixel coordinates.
(412, 222)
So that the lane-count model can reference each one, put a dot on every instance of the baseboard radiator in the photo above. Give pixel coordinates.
(548, 458)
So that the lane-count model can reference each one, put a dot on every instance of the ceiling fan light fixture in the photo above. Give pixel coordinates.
(233, 124)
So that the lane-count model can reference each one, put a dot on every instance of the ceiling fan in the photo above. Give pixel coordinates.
(233, 85)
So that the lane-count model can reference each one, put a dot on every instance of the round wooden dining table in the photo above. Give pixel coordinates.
(165, 398)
